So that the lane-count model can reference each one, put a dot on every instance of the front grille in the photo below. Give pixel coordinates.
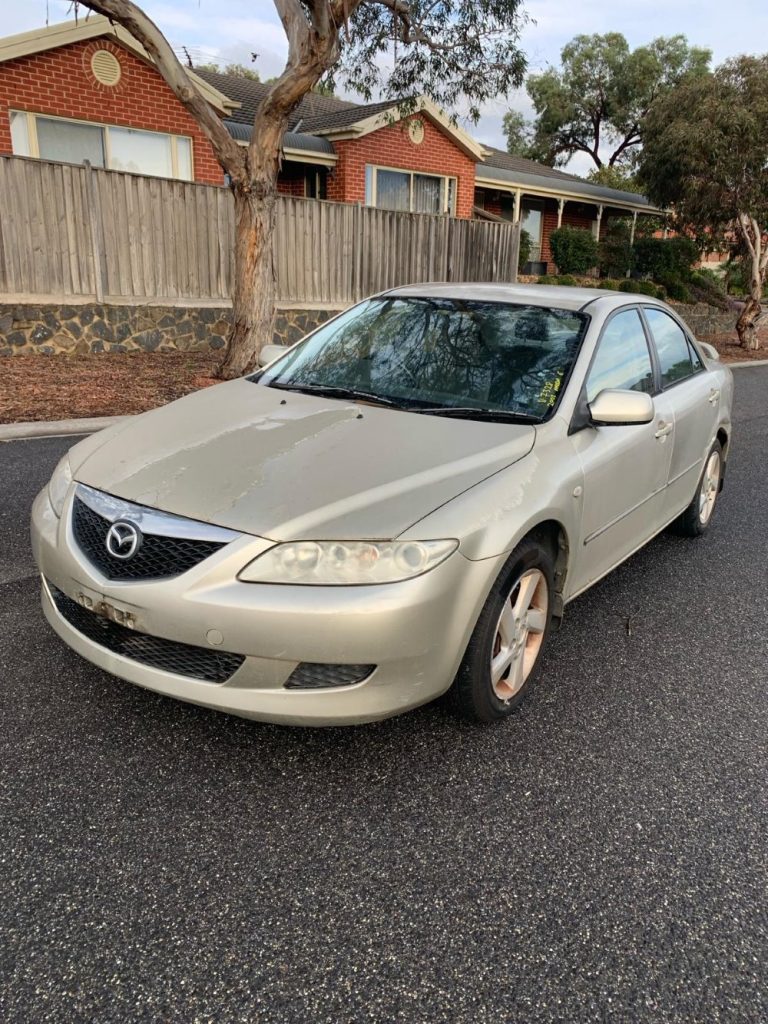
(157, 558)
(155, 651)
(316, 676)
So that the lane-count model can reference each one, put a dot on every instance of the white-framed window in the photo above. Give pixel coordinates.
(391, 188)
(102, 145)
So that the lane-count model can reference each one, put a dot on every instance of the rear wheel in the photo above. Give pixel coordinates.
(504, 651)
(697, 517)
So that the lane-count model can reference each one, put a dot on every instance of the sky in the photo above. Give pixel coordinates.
(252, 26)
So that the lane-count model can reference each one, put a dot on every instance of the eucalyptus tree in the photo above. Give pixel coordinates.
(456, 52)
(705, 155)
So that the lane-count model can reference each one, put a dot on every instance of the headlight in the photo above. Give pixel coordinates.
(59, 483)
(346, 563)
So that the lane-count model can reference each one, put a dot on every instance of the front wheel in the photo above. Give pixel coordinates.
(505, 648)
(697, 517)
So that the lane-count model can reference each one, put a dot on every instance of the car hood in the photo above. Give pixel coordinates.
(284, 465)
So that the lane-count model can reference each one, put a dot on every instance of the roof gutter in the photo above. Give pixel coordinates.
(558, 192)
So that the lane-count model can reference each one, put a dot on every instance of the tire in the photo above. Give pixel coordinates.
(697, 517)
(529, 570)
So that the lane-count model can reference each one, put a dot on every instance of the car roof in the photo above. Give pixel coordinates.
(553, 296)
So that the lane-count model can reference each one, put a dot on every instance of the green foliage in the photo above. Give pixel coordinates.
(706, 153)
(621, 178)
(238, 70)
(574, 250)
(635, 287)
(449, 50)
(566, 280)
(663, 257)
(675, 287)
(517, 132)
(705, 286)
(602, 92)
(526, 244)
(615, 249)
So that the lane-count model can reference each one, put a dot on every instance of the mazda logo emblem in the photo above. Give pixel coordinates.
(123, 540)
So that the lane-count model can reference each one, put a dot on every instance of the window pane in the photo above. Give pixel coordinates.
(393, 190)
(622, 360)
(19, 133)
(427, 194)
(672, 346)
(451, 208)
(184, 157)
(368, 185)
(531, 222)
(418, 351)
(71, 142)
(140, 152)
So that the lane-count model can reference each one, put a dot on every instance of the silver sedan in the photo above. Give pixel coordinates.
(398, 506)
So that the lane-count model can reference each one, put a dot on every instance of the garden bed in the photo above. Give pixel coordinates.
(112, 384)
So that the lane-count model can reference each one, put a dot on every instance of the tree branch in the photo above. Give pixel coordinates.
(134, 20)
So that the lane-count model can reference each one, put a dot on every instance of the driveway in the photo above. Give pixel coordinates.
(600, 857)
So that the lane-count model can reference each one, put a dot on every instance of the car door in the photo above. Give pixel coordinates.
(695, 398)
(625, 468)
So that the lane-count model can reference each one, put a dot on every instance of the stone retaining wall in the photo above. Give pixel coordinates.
(704, 320)
(31, 329)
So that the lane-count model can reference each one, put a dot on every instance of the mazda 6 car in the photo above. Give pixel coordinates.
(400, 505)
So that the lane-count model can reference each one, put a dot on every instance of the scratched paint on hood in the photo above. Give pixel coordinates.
(286, 465)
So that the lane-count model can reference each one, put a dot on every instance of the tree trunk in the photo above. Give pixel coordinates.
(254, 286)
(746, 325)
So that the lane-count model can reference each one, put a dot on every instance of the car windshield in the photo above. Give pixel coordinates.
(442, 356)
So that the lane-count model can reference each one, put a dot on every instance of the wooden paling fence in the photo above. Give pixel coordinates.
(79, 231)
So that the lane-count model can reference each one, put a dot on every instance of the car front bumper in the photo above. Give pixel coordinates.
(414, 632)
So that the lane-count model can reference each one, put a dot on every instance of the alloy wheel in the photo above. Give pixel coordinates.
(519, 634)
(709, 486)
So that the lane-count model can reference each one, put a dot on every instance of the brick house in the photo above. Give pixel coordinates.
(87, 90)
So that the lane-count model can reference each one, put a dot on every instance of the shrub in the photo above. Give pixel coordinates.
(635, 287)
(675, 287)
(615, 250)
(705, 286)
(574, 250)
(608, 283)
(548, 279)
(526, 245)
(664, 257)
(566, 279)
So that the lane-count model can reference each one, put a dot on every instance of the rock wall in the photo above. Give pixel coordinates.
(31, 329)
(704, 320)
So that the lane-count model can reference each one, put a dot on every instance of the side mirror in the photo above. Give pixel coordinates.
(621, 408)
(270, 353)
(709, 351)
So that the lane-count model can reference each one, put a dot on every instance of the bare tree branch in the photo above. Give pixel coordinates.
(142, 28)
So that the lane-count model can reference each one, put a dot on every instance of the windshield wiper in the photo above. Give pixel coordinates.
(331, 391)
(469, 412)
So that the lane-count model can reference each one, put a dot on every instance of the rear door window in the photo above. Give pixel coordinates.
(676, 357)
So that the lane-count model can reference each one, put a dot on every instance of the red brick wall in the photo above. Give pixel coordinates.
(391, 146)
(290, 181)
(60, 82)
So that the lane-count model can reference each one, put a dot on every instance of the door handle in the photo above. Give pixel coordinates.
(714, 395)
(664, 429)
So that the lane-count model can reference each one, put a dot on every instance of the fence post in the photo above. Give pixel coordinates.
(97, 232)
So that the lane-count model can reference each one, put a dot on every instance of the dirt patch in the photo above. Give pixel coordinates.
(64, 387)
(731, 351)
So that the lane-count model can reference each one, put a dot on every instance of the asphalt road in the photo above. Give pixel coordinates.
(600, 857)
